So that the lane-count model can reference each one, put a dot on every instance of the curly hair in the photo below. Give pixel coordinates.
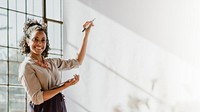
(30, 26)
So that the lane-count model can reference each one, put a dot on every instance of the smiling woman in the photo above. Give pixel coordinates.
(39, 75)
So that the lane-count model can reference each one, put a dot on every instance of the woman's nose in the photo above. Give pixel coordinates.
(39, 42)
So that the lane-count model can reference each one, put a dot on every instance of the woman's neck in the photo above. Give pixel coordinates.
(36, 57)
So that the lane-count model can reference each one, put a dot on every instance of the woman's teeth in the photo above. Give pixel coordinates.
(39, 48)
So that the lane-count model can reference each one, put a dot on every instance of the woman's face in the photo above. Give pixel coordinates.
(37, 42)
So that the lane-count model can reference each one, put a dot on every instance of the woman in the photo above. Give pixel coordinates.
(39, 75)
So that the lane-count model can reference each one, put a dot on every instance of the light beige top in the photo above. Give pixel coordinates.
(36, 79)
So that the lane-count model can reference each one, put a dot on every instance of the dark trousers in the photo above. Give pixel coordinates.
(55, 104)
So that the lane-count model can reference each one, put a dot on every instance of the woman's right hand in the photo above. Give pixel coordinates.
(71, 81)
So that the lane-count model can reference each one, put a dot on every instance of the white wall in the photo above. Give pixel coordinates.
(142, 56)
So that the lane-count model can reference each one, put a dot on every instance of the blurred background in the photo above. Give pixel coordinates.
(142, 56)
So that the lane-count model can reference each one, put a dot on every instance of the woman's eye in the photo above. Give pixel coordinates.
(35, 40)
(43, 40)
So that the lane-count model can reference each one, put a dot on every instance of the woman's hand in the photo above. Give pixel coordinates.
(71, 81)
(87, 31)
(52, 92)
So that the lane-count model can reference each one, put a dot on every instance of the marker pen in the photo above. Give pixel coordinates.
(88, 25)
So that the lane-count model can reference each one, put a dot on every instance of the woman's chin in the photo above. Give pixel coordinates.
(38, 52)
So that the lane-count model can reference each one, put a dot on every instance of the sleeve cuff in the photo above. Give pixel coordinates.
(37, 98)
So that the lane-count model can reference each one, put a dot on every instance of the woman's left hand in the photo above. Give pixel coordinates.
(87, 31)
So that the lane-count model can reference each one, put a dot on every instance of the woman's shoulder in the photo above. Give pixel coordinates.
(25, 66)
(26, 62)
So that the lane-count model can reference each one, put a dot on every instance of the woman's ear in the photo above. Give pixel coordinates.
(27, 41)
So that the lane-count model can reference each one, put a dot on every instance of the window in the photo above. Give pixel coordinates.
(13, 14)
